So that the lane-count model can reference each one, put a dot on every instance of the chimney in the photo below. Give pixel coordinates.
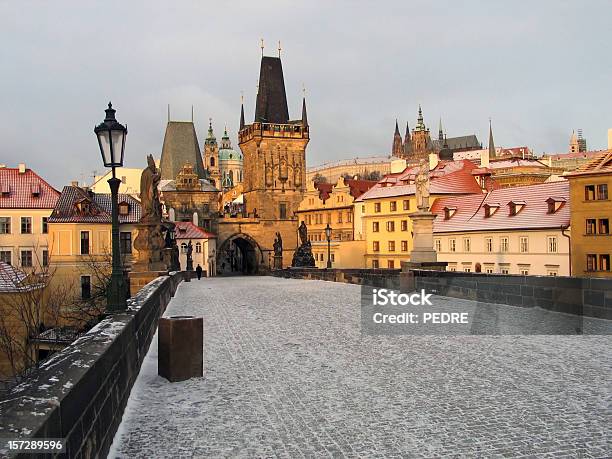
(22, 168)
(433, 161)
(74, 183)
(398, 165)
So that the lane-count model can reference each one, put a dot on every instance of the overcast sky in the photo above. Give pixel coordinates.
(539, 69)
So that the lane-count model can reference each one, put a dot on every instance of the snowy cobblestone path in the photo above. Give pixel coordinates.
(288, 374)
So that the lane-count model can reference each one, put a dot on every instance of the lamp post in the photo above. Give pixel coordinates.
(111, 140)
(328, 233)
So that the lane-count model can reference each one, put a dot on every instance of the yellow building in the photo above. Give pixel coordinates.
(383, 211)
(591, 215)
(130, 181)
(26, 202)
(324, 204)
(80, 237)
(507, 231)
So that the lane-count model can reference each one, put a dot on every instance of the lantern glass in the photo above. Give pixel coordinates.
(104, 141)
(111, 139)
(328, 231)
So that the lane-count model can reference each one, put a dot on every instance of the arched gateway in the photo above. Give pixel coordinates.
(239, 254)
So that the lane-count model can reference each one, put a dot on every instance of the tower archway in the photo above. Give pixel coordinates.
(239, 254)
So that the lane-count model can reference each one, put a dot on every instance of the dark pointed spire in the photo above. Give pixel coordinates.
(304, 116)
(241, 115)
(271, 104)
(397, 149)
(491, 143)
(396, 128)
(440, 133)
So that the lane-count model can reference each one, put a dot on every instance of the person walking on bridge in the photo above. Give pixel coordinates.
(199, 272)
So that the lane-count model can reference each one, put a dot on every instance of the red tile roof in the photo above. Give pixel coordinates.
(601, 164)
(25, 190)
(325, 190)
(448, 177)
(187, 230)
(575, 155)
(358, 187)
(470, 213)
(66, 210)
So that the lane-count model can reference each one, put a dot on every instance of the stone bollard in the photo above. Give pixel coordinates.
(180, 348)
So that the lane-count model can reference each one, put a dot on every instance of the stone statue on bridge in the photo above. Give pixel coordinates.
(422, 187)
(278, 251)
(303, 255)
(149, 193)
(303, 232)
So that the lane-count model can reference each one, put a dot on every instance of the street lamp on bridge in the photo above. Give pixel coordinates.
(328, 233)
(111, 140)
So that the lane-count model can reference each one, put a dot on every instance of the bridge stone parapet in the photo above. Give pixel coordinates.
(387, 278)
(80, 393)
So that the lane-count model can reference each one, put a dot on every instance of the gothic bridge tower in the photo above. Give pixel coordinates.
(274, 178)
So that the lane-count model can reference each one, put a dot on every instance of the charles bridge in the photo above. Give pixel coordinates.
(287, 372)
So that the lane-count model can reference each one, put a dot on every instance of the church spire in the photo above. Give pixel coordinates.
(440, 133)
(491, 143)
(397, 149)
(241, 112)
(271, 104)
(304, 116)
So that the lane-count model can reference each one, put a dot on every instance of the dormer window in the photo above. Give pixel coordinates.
(124, 208)
(5, 188)
(554, 204)
(515, 207)
(35, 188)
(449, 212)
(490, 209)
(84, 206)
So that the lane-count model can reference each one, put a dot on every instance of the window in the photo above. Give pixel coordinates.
(84, 242)
(467, 270)
(591, 224)
(45, 257)
(404, 246)
(552, 272)
(282, 210)
(504, 270)
(391, 246)
(503, 244)
(391, 226)
(349, 217)
(489, 269)
(438, 245)
(26, 225)
(406, 204)
(45, 225)
(5, 256)
(393, 206)
(404, 225)
(524, 270)
(124, 208)
(375, 264)
(604, 226)
(212, 161)
(375, 227)
(329, 219)
(377, 207)
(26, 258)
(363, 209)
(184, 247)
(552, 244)
(524, 244)
(198, 247)
(375, 246)
(466, 244)
(333, 257)
(5, 225)
(85, 287)
(340, 217)
(602, 192)
(604, 262)
(390, 264)
(489, 244)
(452, 245)
(589, 193)
(591, 262)
(125, 242)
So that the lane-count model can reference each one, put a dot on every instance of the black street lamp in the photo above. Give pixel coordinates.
(328, 233)
(111, 139)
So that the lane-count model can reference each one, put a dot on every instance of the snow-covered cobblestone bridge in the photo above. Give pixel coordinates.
(288, 373)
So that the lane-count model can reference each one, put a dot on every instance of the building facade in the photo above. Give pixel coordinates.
(26, 202)
(590, 187)
(332, 204)
(382, 214)
(506, 231)
(230, 164)
(203, 244)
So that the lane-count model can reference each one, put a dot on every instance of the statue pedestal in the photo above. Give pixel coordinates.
(422, 238)
(149, 243)
(302, 258)
(278, 262)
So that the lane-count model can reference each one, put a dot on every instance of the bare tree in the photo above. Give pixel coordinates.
(318, 178)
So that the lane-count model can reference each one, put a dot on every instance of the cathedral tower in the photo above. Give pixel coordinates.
(274, 150)
(397, 149)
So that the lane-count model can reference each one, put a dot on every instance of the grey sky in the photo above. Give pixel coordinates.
(539, 69)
